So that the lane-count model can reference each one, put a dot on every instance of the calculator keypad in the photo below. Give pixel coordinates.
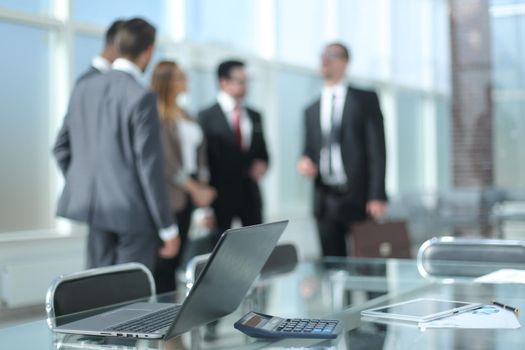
(313, 326)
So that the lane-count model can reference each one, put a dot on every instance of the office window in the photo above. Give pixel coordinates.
(35, 6)
(228, 23)
(443, 137)
(362, 28)
(259, 92)
(508, 47)
(440, 43)
(506, 2)
(508, 74)
(103, 12)
(295, 91)
(86, 47)
(393, 45)
(509, 144)
(420, 44)
(411, 144)
(24, 130)
(409, 43)
(300, 31)
(202, 89)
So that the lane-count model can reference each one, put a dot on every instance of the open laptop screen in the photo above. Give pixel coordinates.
(233, 266)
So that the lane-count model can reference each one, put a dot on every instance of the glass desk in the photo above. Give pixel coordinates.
(332, 288)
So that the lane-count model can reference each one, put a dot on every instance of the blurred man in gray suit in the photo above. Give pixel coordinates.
(110, 153)
(110, 52)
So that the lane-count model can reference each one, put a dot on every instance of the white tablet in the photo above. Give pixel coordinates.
(420, 310)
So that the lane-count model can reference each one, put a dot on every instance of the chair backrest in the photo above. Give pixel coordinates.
(194, 268)
(460, 257)
(284, 258)
(96, 288)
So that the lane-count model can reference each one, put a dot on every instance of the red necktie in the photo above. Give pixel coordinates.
(237, 124)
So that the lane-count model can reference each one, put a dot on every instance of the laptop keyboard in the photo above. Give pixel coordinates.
(148, 323)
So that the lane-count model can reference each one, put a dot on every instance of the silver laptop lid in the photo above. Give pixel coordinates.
(232, 267)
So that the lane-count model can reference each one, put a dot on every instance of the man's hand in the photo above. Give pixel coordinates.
(171, 247)
(203, 195)
(258, 169)
(376, 208)
(306, 167)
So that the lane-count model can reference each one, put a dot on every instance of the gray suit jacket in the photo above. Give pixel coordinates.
(109, 150)
(91, 71)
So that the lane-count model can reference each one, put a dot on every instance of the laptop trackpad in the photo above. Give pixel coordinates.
(123, 315)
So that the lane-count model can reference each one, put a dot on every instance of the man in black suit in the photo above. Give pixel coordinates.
(110, 153)
(344, 152)
(237, 153)
(110, 52)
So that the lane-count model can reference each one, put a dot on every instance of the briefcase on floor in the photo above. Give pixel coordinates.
(370, 239)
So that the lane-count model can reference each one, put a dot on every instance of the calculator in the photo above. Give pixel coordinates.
(260, 325)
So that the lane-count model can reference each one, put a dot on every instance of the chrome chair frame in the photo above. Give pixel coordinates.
(58, 281)
(191, 272)
(454, 242)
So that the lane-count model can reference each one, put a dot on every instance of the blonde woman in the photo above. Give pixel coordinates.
(185, 161)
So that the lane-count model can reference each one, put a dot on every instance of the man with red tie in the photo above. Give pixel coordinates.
(237, 153)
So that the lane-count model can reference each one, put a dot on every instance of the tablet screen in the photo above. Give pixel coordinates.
(421, 307)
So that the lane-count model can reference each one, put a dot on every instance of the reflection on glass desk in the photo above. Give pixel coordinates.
(332, 288)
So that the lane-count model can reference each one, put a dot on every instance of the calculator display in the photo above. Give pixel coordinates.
(254, 321)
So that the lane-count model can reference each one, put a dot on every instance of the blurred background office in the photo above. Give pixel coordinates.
(450, 75)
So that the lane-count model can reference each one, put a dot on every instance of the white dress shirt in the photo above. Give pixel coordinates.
(131, 68)
(337, 93)
(101, 64)
(227, 104)
(191, 138)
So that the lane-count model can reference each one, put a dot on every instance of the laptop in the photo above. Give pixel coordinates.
(231, 269)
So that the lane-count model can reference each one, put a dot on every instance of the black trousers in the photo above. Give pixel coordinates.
(335, 215)
(248, 216)
(105, 248)
(332, 235)
(165, 269)
(248, 209)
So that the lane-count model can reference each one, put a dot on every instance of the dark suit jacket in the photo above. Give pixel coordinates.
(362, 149)
(110, 153)
(229, 166)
